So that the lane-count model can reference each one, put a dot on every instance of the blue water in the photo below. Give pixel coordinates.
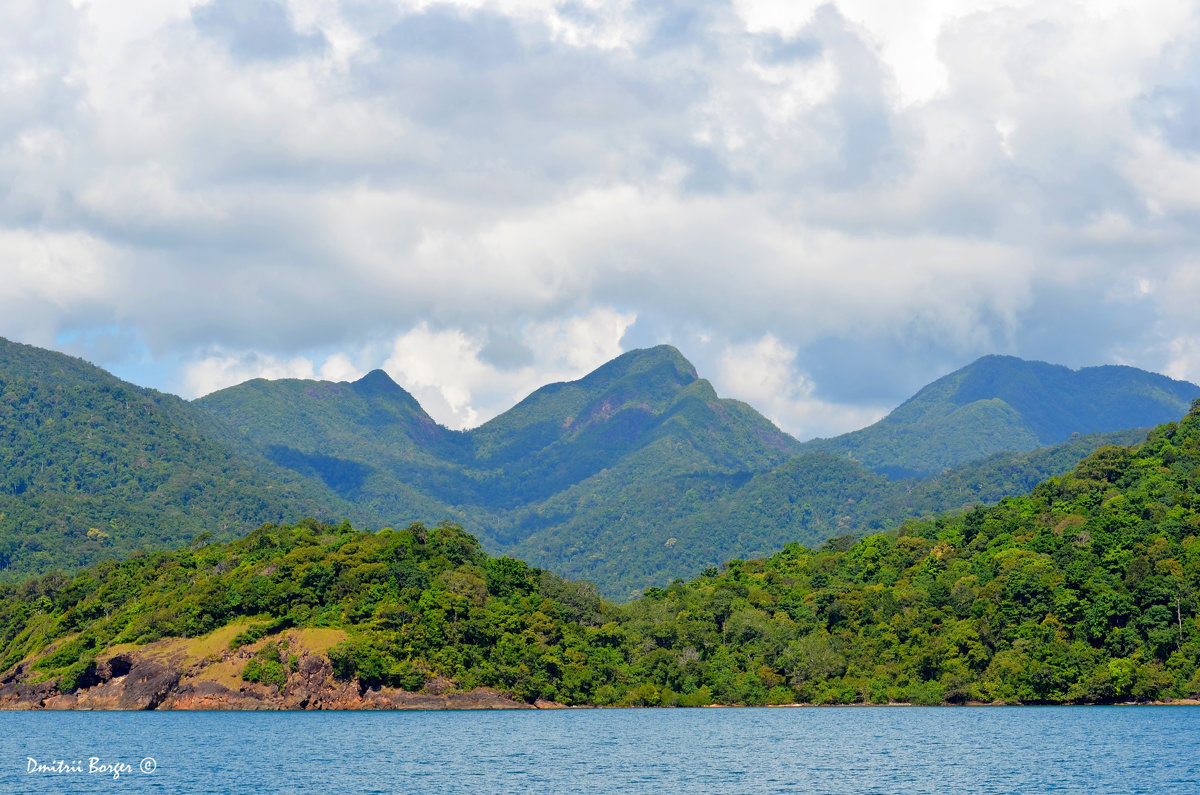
(825, 750)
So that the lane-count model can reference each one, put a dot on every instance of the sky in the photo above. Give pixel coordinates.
(824, 206)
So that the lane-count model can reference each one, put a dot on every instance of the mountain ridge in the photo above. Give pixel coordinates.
(639, 470)
(1084, 590)
(1009, 404)
(92, 466)
(634, 474)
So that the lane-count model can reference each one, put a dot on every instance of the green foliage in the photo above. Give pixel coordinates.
(638, 473)
(1086, 590)
(268, 666)
(257, 631)
(1001, 403)
(78, 674)
(537, 480)
(673, 526)
(629, 477)
(92, 467)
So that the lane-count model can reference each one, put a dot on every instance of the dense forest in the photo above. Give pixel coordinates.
(92, 467)
(639, 527)
(632, 476)
(1001, 403)
(639, 472)
(1085, 590)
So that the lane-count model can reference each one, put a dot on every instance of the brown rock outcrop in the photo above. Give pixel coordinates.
(129, 681)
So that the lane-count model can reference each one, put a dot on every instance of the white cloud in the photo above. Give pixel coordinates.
(223, 370)
(439, 368)
(763, 373)
(1184, 361)
(53, 280)
(338, 367)
(449, 374)
(582, 343)
(487, 194)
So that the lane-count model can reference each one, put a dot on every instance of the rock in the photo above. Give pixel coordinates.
(26, 696)
(147, 684)
(130, 681)
(216, 696)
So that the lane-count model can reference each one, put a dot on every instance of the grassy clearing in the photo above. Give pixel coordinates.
(317, 640)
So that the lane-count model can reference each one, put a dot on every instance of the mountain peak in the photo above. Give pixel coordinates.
(379, 385)
(662, 363)
(1000, 403)
(658, 355)
(377, 382)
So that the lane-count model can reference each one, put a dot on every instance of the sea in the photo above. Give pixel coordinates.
(1120, 749)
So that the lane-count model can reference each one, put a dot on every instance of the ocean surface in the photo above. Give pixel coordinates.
(825, 750)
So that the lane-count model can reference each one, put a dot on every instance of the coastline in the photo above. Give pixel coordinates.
(204, 674)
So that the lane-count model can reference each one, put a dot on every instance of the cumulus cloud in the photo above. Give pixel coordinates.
(764, 374)
(849, 198)
(219, 371)
(462, 381)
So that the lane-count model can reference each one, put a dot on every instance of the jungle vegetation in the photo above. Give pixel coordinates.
(1087, 589)
(632, 476)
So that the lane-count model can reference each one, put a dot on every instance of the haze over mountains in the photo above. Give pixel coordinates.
(633, 475)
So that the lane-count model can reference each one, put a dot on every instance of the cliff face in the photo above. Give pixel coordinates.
(162, 677)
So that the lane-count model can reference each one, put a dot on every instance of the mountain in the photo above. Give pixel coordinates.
(646, 406)
(638, 472)
(622, 437)
(561, 434)
(622, 537)
(1085, 590)
(94, 467)
(1001, 403)
(368, 441)
(635, 474)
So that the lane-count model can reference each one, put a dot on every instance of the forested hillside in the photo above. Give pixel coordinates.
(682, 524)
(94, 467)
(368, 441)
(1085, 590)
(620, 440)
(1001, 403)
(372, 441)
(632, 476)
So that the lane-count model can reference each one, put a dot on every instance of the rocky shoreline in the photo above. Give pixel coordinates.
(170, 676)
(167, 679)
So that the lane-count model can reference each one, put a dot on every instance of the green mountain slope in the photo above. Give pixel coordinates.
(1087, 590)
(643, 389)
(369, 441)
(634, 475)
(94, 467)
(618, 433)
(621, 436)
(372, 441)
(623, 537)
(1001, 403)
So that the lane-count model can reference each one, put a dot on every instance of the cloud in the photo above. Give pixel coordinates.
(255, 30)
(224, 369)
(456, 376)
(52, 281)
(512, 192)
(339, 367)
(218, 371)
(764, 374)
